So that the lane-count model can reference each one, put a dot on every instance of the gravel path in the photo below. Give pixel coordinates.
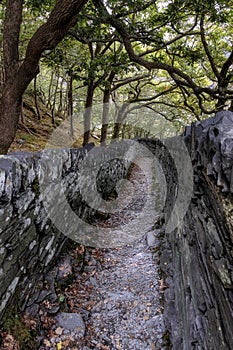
(127, 313)
(115, 300)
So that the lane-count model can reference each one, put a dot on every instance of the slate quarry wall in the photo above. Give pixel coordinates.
(197, 258)
(34, 219)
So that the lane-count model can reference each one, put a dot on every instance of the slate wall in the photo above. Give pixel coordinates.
(197, 258)
(31, 236)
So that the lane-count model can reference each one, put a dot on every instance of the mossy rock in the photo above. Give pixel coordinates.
(13, 324)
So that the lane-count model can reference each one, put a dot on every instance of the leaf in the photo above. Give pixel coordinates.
(162, 285)
(62, 298)
(59, 346)
(47, 343)
(59, 331)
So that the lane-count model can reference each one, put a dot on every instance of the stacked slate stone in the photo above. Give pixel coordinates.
(42, 195)
(197, 258)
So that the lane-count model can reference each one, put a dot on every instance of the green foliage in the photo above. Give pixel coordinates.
(160, 32)
(41, 7)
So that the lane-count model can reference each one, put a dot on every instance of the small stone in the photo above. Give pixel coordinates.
(33, 310)
(71, 321)
(150, 239)
(43, 294)
(54, 309)
(93, 281)
(89, 268)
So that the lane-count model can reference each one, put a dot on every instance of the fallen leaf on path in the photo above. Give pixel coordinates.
(162, 285)
(59, 331)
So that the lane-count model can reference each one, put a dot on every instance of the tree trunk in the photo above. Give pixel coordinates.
(60, 107)
(106, 101)
(11, 30)
(49, 104)
(10, 111)
(123, 131)
(70, 106)
(87, 113)
(118, 123)
(17, 78)
(116, 131)
(36, 99)
(53, 110)
(105, 121)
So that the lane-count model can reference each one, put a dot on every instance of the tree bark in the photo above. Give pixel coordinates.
(53, 109)
(87, 113)
(70, 106)
(60, 107)
(119, 121)
(106, 101)
(36, 99)
(17, 78)
(49, 99)
(11, 30)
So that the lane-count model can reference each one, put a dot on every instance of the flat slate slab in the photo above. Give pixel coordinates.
(72, 322)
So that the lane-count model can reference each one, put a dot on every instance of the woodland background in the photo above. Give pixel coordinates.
(61, 58)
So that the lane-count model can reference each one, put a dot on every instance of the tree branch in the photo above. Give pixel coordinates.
(206, 48)
(61, 19)
(226, 65)
(122, 30)
(130, 80)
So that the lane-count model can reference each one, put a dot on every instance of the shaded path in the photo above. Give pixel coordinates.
(119, 297)
(116, 302)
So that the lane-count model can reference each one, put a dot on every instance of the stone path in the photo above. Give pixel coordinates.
(128, 314)
(107, 299)
(116, 303)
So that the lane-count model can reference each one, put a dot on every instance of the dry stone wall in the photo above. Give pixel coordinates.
(29, 239)
(197, 258)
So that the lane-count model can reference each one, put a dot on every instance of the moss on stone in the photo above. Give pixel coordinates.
(13, 324)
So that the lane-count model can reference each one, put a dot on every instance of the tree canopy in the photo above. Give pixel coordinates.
(173, 57)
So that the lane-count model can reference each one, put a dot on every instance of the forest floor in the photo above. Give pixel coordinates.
(33, 133)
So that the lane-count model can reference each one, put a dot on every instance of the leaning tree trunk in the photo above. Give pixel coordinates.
(10, 104)
(10, 111)
(17, 77)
